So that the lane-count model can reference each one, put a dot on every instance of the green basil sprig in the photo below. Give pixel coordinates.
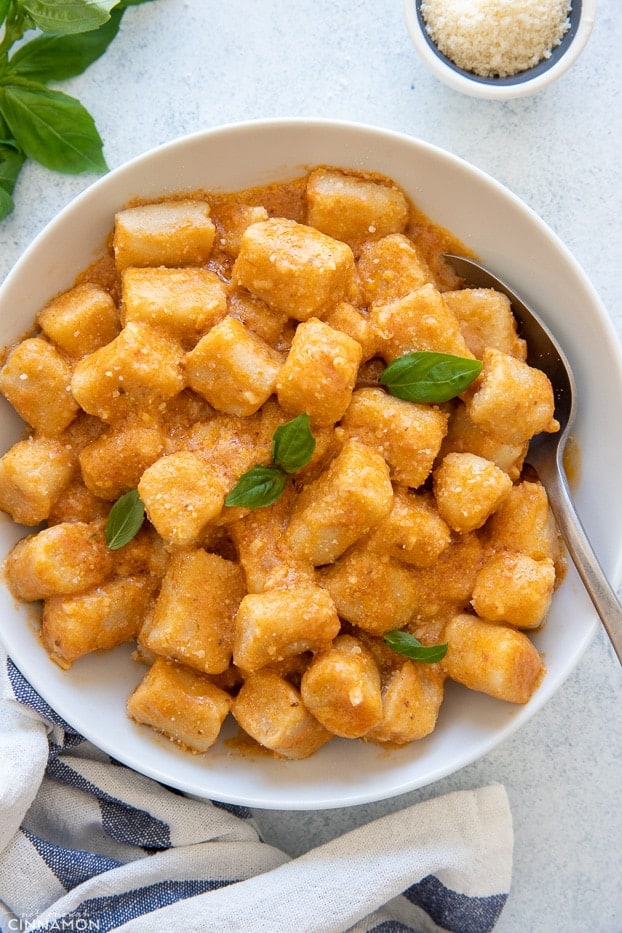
(124, 520)
(428, 376)
(259, 486)
(293, 444)
(292, 448)
(37, 122)
(406, 644)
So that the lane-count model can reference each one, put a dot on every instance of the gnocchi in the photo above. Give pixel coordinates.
(169, 370)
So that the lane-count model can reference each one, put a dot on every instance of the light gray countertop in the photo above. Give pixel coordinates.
(178, 66)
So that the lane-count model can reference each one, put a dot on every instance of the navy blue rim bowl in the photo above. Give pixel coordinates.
(522, 76)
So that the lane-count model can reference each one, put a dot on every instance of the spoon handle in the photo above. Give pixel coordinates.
(598, 587)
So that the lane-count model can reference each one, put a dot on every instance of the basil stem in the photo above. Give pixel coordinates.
(428, 376)
(406, 644)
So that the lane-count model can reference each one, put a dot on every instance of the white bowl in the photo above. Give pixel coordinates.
(524, 83)
(515, 243)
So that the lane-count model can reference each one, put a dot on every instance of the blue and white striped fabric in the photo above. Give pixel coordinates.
(88, 844)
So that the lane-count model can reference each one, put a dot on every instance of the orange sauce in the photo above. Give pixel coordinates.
(287, 199)
(572, 462)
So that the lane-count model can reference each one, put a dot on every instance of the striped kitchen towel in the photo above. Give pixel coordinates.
(88, 844)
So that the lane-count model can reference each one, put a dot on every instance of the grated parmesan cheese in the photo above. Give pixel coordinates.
(496, 37)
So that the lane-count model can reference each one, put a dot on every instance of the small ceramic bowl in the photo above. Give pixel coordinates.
(521, 84)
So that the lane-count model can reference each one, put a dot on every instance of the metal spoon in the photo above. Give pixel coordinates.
(546, 451)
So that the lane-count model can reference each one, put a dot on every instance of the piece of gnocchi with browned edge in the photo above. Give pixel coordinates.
(182, 704)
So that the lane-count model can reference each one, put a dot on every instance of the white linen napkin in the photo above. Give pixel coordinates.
(88, 844)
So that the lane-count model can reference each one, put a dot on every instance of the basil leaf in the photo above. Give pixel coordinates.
(125, 520)
(406, 644)
(428, 376)
(52, 128)
(259, 486)
(6, 203)
(292, 448)
(64, 17)
(11, 161)
(5, 133)
(56, 58)
(293, 444)
(4, 9)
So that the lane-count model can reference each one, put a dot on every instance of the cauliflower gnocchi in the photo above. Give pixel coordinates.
(294, 520)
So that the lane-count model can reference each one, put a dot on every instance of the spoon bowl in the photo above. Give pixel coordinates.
(546, 451)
